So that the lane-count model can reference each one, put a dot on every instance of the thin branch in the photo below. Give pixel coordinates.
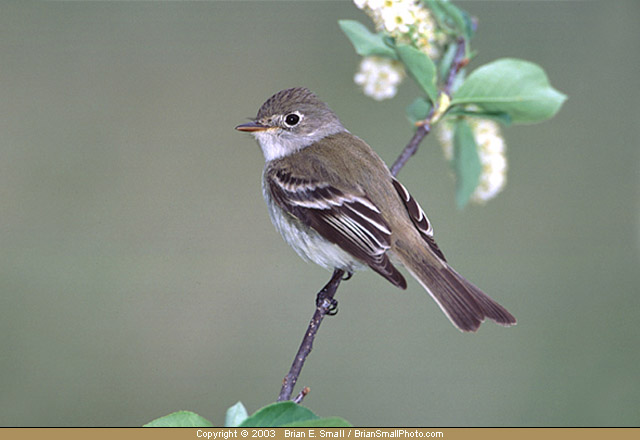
(459, 61)
(325, 302)
(424, 127)
(301, 395)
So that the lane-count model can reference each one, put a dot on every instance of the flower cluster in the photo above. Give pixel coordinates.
(408, 21)
(492, 152)
(379, 77)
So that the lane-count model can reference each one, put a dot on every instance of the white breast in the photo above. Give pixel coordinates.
(310, 245)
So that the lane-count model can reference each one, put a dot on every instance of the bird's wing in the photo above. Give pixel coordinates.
(465, 304)
(348, 219)
(419, 218)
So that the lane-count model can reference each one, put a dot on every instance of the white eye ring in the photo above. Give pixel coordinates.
(292, 119)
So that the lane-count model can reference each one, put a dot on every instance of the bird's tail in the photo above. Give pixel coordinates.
(464, 304)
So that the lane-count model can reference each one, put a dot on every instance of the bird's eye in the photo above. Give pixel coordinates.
(291, 119)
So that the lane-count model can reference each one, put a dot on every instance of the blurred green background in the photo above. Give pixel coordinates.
(140, 273)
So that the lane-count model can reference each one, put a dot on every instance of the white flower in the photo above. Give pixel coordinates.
(376, 5)
(445, 137)
(491, 150)
(397, 16)
(373, 5)
(426, 35)
(408, 21)
(379, 77)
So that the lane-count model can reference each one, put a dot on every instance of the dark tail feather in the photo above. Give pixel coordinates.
(490, 308)
(464, 304)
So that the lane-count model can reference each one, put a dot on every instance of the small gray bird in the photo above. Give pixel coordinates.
(335, 202)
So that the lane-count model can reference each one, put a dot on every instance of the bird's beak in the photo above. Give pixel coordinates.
(251, 127)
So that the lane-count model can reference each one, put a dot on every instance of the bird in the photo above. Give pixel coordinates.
(335, 202)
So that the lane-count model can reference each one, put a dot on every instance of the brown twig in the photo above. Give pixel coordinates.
(301, 395)
(459, 61)
(325, 303)
(423, 129)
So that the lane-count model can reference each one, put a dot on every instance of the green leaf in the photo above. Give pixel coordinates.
(451, 16)
(441, 16)
(459, 17)
(502, 118)
(466, 162)
(516, 87)
(365, 42)
(279, 414)
(418, 110)
(180, 419)
(446, 62)
(235, 415)
(329, 422)
(421, 69)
